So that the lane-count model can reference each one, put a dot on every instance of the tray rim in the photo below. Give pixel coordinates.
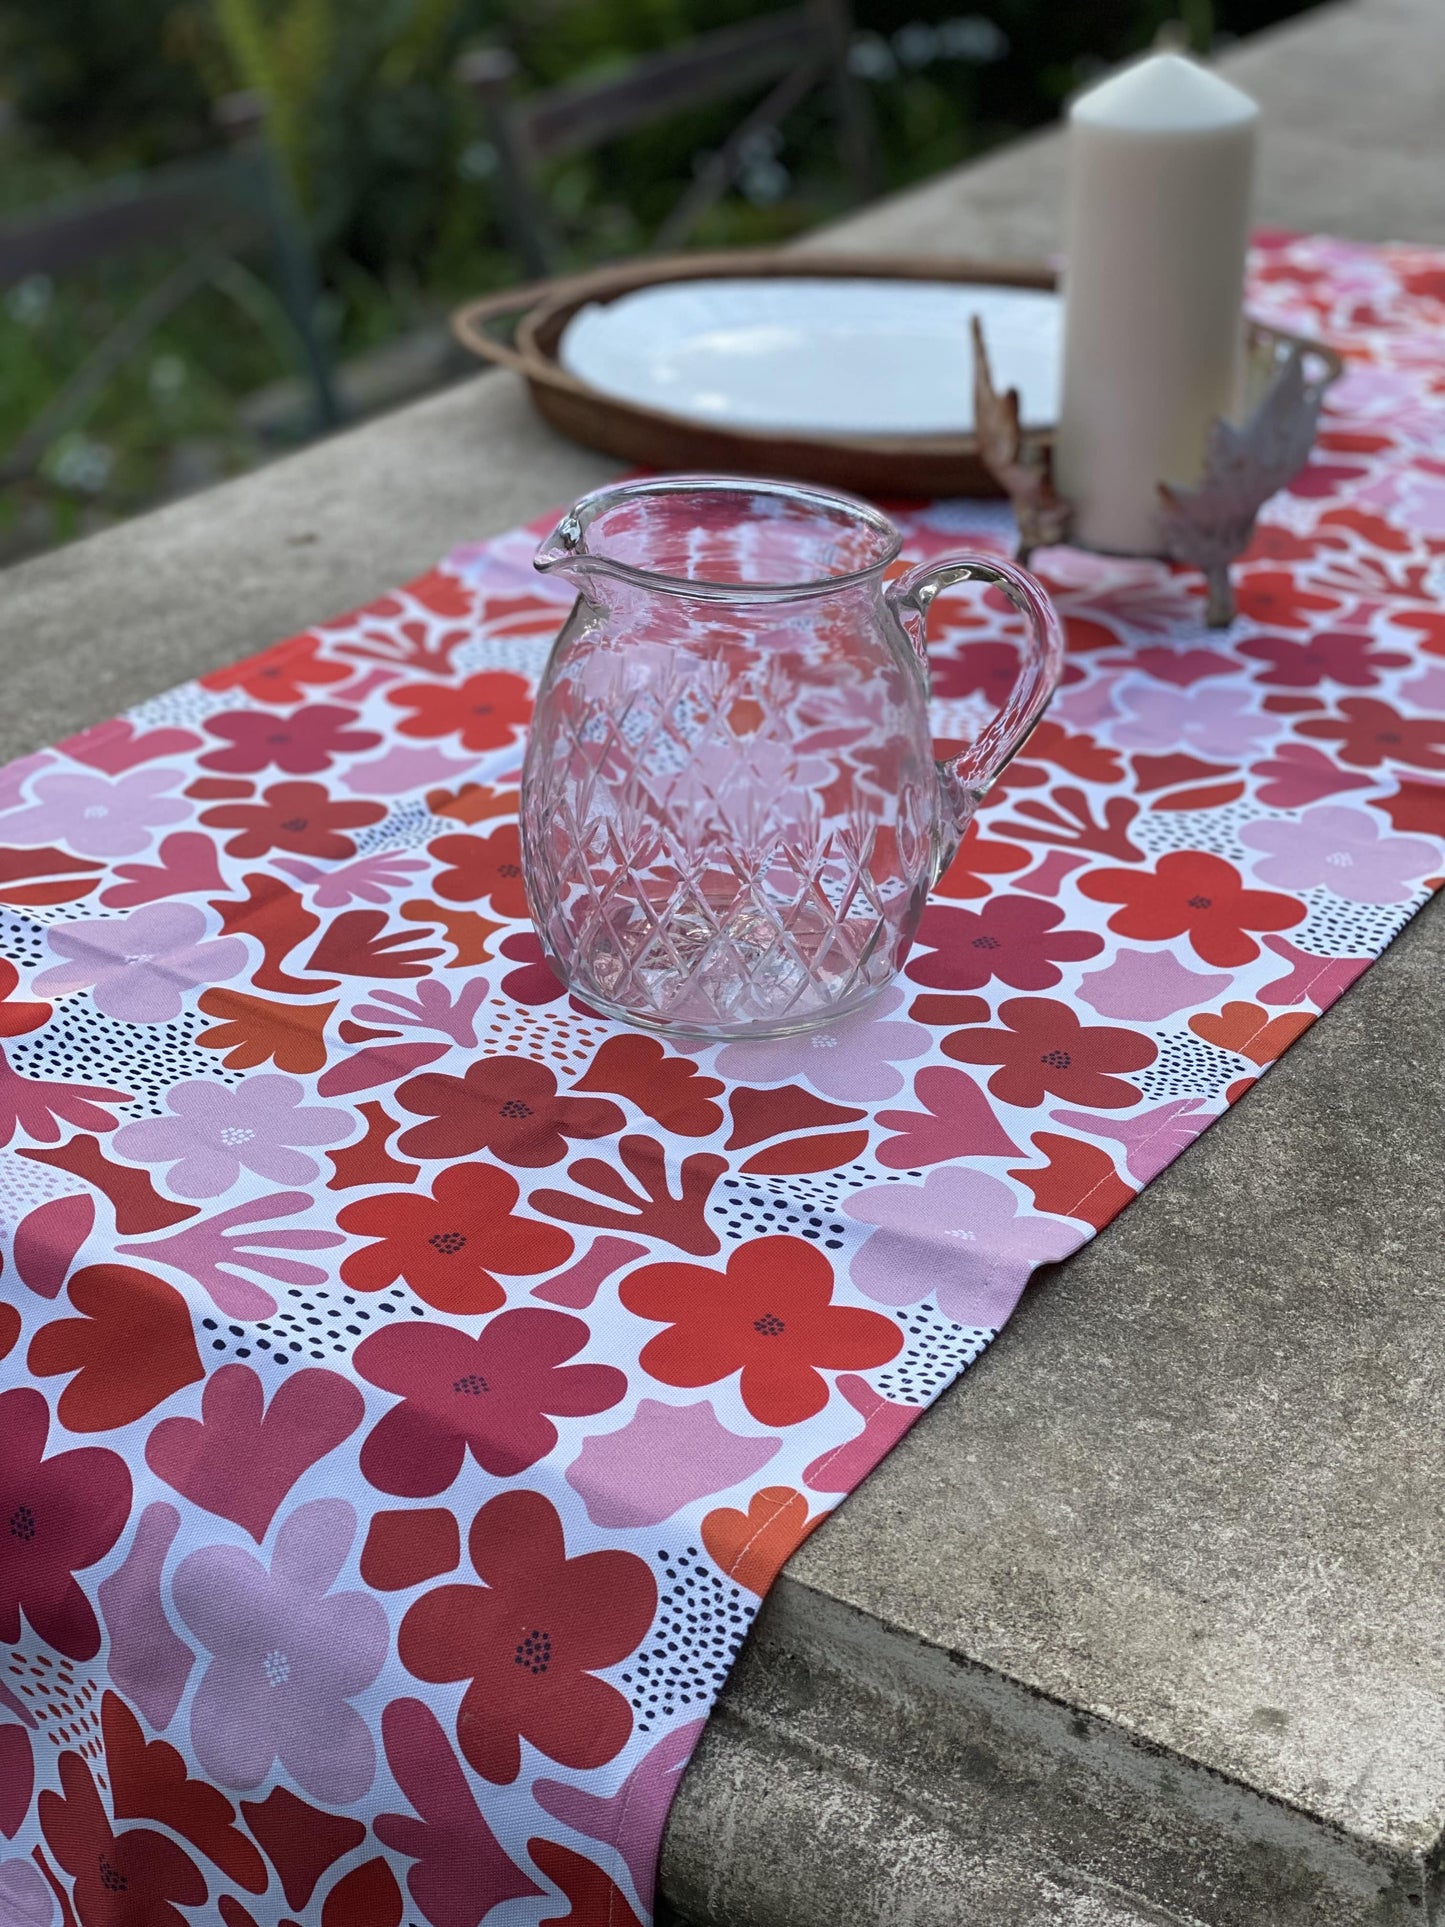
(543, 309)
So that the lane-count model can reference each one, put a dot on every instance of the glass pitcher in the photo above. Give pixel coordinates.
(731, 813)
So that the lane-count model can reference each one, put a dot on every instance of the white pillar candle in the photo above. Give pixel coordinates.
(1160, 162)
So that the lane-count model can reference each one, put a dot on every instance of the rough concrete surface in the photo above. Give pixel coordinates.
(1144, 1622)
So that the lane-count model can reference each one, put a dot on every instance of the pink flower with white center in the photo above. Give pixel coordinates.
(215, 1132)
(140, 967)
(1213, 722)
(851, 1059)
(97, 815)
(1346, 850)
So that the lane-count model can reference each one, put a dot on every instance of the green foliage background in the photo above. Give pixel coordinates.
(388, 160)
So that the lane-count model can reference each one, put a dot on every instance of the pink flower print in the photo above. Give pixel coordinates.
(97, 815)
(1216, 722)
(958, 1238)
(215, 1132)
(302, 743)
(1143, 986)
(140, 967)
(1417, 500)
(853, 1058)
(287, 1658)
(1152, 1139)
(1346, 850)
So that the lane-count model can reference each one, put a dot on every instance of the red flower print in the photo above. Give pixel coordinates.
(1042, 1050)
(301, 817)
(534, 981)
(281, 675)
(138, 1878)
(987, 669)
(980, 857)
(486, 711)
(447, 1246)
(506, 1105)
(1335, 655)
(1012, 938)
(16, 1019)
(1370, 733)
(489, 1396)
(482, 869)
(1273, 595)
(1195, 893)
(302, 743)
(530, 1640)
(57, 1516)
(771, 1318)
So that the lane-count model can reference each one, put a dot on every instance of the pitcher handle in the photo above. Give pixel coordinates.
(967, 777)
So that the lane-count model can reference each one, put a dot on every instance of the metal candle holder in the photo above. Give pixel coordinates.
(1245, 463)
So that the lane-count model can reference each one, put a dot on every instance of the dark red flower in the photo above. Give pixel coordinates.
(771, 1317)
(281, 675)
(448, 1245)
(1042, 1050)
(531, 1640)
(533, 981)
(302, 743)
(17, 1018)
(1195, 893)
(489, 1396)
(57, 1516)
(301, 817)
(138, 1878)
(506, 1105)
(1335, 655)
(987, 669)
(486, 711)
(1012, 938)
(1370, 733)
(482, 869)
(1273, 595)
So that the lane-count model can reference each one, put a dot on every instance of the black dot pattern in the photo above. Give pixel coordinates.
(1159, 831)
(22, 940)
(700, 1623)
(186, 706)
(311, 1326)
(746, 1210)
(935, 1351)
(406, 826)
(80, 1045)
(1334, 928)
(1189, 1067)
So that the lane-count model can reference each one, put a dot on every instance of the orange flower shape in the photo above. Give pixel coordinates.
(1192, 892)
(482, 869)
(484, 711)
(771, 1318)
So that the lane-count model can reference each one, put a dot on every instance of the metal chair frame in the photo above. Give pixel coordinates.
(791, 53)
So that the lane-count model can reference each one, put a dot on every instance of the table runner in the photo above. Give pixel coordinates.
(410, 1382)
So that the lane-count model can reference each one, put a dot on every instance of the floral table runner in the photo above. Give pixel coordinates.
(409, 1382)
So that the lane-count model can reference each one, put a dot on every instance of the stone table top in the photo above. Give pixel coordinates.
(1145, 1620)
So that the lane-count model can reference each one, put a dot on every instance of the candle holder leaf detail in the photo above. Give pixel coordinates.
(1206, 526)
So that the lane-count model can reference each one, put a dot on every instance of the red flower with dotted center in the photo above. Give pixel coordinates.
(138, 1878)
(770, 1318)
(506, 1105)
(490, 1396)
(1193, 893)
(486, 711)
(448, 1245)
(301, 817)
(57, 1516)
(1042, 1050)
(1370, 733)
(301, 744)
(531, 1639)
(1015, 939)
(482, 869)
(281, 675)
(1273, 595)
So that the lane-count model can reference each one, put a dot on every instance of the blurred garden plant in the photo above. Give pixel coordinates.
(390, 162)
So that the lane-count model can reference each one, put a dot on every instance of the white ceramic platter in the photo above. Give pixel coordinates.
(831, 357)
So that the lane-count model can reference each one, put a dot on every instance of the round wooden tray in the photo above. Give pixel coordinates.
(921, 465)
